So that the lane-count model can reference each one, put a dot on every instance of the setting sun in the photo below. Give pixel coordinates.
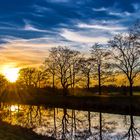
(11, 74)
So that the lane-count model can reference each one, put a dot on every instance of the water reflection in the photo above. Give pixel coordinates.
(14, 108)
(72, 124)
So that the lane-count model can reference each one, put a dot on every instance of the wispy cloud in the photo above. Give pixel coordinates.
(29, 27)
(102, 27)
(77, 37)
(41, 9)
(100, 9)
(114, 12)
(120, 14)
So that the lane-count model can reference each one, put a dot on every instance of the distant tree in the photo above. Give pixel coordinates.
(3, 83)
(126, 54)
(86, 68)
(99, 56)
(50, 68)
(135, 30)
(75, 68)
(39, 76)
(63, 59)
(31, 77)
(26, 77)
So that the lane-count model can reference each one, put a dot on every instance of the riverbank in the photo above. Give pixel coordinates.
(118, 104)
(10, 132)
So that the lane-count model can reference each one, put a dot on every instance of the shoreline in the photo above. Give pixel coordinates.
(124, 105)
(15, 132)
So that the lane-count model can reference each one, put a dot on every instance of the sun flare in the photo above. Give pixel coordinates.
(11, 74)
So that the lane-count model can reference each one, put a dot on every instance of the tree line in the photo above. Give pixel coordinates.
(65, 67)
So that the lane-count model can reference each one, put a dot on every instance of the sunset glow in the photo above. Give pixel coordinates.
(11, 74)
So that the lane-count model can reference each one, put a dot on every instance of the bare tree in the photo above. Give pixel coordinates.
(26, 77)
(31, 77)
(75, 68)
(135, 30)
(3, 81)
(63, 58)
(126, 54)
(3, 86)
(50, 67)
(39, 76)
(99, 56)
(86, 68)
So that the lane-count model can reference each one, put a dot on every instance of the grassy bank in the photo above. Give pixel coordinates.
(119, 104)
(9, 132)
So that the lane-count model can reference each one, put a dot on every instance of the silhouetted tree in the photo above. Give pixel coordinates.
(3, 81)
(135, 30)
(26, 77)
(39, 76)
(99, 55)
(63, 58)
(50, 67)
(86, 68)
(126, 54)
(75, 69)
(3, 86)
(31, 77)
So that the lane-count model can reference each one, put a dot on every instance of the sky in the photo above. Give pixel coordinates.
(29, 28)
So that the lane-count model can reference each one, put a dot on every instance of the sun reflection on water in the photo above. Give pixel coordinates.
(14, 108)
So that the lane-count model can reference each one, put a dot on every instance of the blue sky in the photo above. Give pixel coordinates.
(28, 28)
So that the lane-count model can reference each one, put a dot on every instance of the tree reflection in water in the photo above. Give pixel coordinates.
(71, 124)
(133, 132)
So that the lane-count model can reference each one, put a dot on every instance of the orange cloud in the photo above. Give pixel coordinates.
(23, 54)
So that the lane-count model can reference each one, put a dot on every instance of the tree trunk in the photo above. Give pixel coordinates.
(131, 88)
(39, 83)
(99, 79)
(88, 81)
(73, 80)
(65, 91)
(53, 82)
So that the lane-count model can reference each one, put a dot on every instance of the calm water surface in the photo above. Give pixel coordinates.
(72, 124)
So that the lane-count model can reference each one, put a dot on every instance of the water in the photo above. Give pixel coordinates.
(72, 124)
